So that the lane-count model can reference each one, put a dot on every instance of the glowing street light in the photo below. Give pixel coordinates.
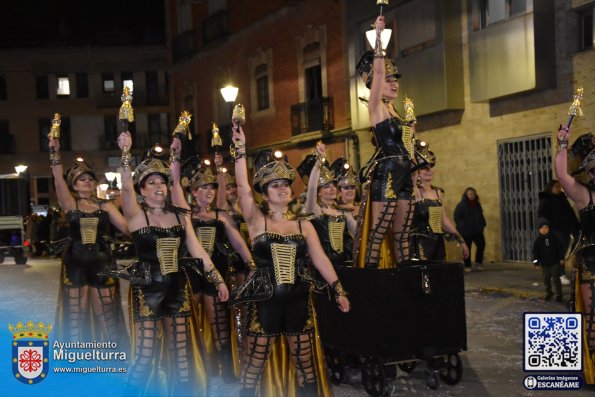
(230, 93)
(20, 168)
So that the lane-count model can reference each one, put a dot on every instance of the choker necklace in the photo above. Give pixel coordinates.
(327, 206)
(152, 210)
(285, 215)
(207, 208)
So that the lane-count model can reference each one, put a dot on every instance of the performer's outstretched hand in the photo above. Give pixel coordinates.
(343, 303)
(563, 133)
(125, 140)
(222, 292)
(238, 136)
(380, 24)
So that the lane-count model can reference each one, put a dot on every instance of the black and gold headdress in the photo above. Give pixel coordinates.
(271, 165)
(203, 176)
(366, 70)
(149, 167)
(423, 155)
(79, 167)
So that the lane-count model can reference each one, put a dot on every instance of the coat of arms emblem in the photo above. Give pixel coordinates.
(30, 351)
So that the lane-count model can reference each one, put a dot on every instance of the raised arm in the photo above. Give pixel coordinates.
(249, 208)
(577, 192)
(221, 189)
(197, 251)
(177, 193)
(129, 205)
(376, 108)
(65, 199)
(311, 205)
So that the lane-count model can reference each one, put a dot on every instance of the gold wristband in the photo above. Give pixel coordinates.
(251, 264)
(378, 52)
(213, 276)
(55, 158)
(338, 288)
(174, 156)
(125, 159)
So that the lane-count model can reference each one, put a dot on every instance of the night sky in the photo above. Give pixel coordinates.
(57, 23)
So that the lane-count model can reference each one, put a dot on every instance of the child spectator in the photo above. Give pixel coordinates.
(548, 253)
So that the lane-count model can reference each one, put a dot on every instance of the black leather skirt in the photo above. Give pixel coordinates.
(392, 179)
(165, 296)
(83, 263)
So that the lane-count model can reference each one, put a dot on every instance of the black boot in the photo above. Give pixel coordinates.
(226, 360)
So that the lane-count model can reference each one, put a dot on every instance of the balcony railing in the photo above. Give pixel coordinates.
(215, 27)
(183, 45)
(314, 115)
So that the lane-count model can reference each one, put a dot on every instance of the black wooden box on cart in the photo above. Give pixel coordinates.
(413, 312)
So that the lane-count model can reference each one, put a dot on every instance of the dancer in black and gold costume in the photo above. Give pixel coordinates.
(584, 265)
(227, 196)
(89, 304)
(347, 188)
(391, 188)
(160, 294)
(430, 219)
(217, 234)
(335, 227)
(278, 291)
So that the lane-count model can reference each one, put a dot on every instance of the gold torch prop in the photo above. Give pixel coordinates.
(125, 117)
(583, 144)
(238, 118)
(381, 3)
(182, 129)
(575, 107)
(55, 133)
(216, 142)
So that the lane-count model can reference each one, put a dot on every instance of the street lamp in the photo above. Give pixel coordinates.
(20, 168)
(384, 37)
(112, 190)
(230, 93)
(110, 176)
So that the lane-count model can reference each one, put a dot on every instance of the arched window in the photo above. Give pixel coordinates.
(261, 83)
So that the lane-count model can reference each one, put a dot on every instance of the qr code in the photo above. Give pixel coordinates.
(553, 342)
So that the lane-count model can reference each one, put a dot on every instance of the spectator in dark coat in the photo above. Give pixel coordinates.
(554, 206)
(548, 254)
(470, 224)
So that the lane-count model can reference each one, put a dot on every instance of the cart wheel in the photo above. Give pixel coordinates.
(452, 372)
(19, 256)
(374, 378)
(336, 364)
(432, 379)
(407, 366)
